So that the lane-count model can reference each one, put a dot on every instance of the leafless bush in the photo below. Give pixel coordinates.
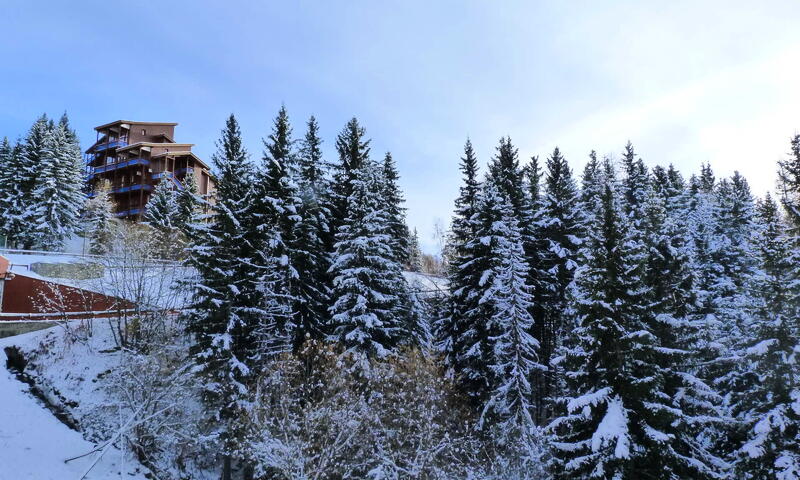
(148, 288)
(325, 415)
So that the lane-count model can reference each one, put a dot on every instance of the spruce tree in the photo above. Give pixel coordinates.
(162, 216)
(7, 186)
(768, 402)
(414, 263)
(462, 273)
(312, 240)
(99, 219)
(789, 185)
(234, 310)
(395, 210)
(560, 236)
(353, 150)
(368, 308)
(57, 195)
(505, 297)
(617, 422)
(276, 208)
(33, 164)
(189, 204)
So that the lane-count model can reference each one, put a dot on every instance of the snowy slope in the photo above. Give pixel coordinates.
(34, 444)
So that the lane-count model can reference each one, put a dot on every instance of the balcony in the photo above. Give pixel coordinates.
(113, 144)
(169, 176)
(133, 188)
(133, 211)
(115, 166)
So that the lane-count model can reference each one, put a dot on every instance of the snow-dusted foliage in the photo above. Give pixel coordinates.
(162, 215)
(617, 421)
(42, 193)
(99, 219)
(370, 309)
(767, 400)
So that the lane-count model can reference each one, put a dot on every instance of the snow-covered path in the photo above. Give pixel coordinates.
(34, 444)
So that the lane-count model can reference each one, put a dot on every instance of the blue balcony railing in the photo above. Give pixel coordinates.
(115, 166)
(114, 144)
(133, 211)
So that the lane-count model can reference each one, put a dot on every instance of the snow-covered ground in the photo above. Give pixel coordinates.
(34, 443)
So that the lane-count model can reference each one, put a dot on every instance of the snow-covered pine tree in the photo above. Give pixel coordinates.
(275, 205)
(734, 271)
(789, 185)
(394, 210)
(233, 303)
(368, 287)
(162, 215)
(462, 274)
(671, 308)
(414, 253)
(189, 203)
(591, 190)
(560, 235)
(505, 297)
(769, 404)
(617, 422)
(312, 239)
(7, 187)
(23, 204)
(57, 189)
(12, 206)
(99, 220)
(634, 185)
(353, 149)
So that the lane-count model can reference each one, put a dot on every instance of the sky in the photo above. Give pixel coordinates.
(687, 82)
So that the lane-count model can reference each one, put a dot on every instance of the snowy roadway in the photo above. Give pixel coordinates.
(34, 444)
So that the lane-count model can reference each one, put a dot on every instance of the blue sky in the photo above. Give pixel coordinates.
(686, 82)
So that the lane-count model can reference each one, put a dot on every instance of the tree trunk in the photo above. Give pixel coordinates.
(226, 467)
(249, 472)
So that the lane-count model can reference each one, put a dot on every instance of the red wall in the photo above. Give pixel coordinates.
(27, 295)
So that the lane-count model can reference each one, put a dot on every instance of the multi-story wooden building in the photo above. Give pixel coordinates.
(135, 156)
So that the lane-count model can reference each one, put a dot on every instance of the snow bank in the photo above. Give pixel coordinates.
(34, 444)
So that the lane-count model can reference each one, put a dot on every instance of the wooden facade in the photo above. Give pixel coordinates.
(135, 156)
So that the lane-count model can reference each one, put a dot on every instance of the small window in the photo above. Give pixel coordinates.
(144, 132)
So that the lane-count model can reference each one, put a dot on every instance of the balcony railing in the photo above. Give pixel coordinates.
(115, 166)
(169, 176)
(133, 211)
(112, 144)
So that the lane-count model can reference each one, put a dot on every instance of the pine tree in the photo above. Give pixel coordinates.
(789, 184)
(592, 183)
(368, 288)
(768, 405)
(234, 310)
(312, 168)
(189, 204)
(618, 423)
(505, 296)
(462, 272)
(395, 210)
(276, 207)
(162, 215)
(33, 164)
(7, 187)
(560, 236)
(99, 219)
(57, 195)
(312, 240)
(414, 253)
(353, 149)
(505, 171)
